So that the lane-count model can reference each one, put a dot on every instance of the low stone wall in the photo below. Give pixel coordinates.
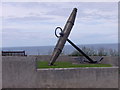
(78, 78)
(21, 72)
(113, 60)
(18, 72)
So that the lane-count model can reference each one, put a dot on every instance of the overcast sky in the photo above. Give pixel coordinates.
(33, 24)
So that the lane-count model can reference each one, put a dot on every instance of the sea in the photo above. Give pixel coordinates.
(68, 49)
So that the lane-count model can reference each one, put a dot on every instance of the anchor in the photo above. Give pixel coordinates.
(63, 37)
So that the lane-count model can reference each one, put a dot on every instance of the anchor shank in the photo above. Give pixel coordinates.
(62, 39)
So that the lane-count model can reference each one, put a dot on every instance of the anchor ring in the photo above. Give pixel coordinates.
(61, 34)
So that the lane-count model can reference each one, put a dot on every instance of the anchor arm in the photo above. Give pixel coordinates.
(91, 61)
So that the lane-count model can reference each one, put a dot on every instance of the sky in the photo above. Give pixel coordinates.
(34, 23)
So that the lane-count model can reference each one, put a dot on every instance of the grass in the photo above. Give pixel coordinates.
(44, 64)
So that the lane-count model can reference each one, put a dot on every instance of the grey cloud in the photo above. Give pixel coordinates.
(102, 7)
(55, 9)
(28, 19)
(64, 9)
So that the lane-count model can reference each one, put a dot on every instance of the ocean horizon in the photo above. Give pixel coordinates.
(68, 49)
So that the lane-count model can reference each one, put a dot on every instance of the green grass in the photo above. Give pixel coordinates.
(44, 64)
